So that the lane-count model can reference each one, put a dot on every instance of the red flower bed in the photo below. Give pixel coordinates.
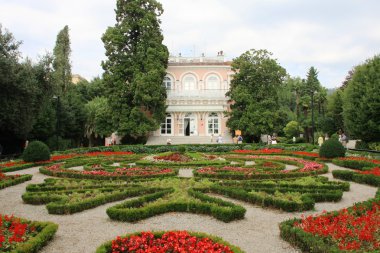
(351, 230)
(213, 170)
(304, 153)
(373, 171)
(175, 242)
(11, 164)
(364, 159)
(13, 231)
(261, 151)
(175, 157)
(118, 172)
(108, 153)
(4, 177)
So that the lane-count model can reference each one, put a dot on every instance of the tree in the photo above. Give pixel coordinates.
(255, 106)
(361, 104)
(135, 68)
(97, 120)
(23, 86)
(292, 129)
(61, 62)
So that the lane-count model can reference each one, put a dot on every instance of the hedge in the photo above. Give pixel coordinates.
(356, 177)
(107, 247)
(353, 164)
(57, 201)
(15, 181)
(134, 210)
(327, 185)
(70, 174)
(244, 195)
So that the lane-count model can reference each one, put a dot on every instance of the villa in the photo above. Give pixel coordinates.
(196, 100)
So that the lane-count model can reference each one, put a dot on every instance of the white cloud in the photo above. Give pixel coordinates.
(332, 36)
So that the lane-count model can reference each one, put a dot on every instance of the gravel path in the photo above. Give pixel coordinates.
(84, 232)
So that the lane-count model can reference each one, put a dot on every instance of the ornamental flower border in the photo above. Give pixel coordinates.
(6, 181)
(309, 168)
(173, 237)
(45, 232)
(291, 231)
(20, 165)
(56, 170)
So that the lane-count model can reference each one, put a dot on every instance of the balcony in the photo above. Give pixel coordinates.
(197, 94)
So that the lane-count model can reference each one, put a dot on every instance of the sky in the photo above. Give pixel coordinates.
(331, 35)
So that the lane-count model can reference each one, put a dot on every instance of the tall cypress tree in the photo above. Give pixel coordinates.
(61, 62)
(135, 68)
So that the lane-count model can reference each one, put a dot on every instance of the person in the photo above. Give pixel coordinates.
(235, 139)
(26, 143)
(294, 139)
(220, 139)
(168, 141)
(212, 138)
(326, 137)
(240, 139)
(320, 140)
(344, 140)
(269, 140)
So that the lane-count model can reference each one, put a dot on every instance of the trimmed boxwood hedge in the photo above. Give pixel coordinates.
(107, 247)
(353, 164)
(57, 200)
(136, 209)
(286, 205)
(35, 243)
(15, 181)
(70, 174)
(356, 177)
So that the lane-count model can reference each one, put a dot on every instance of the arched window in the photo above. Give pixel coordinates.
(189, 83)
(166, 126)
(213, 123)
(167, 83)
(212, 83)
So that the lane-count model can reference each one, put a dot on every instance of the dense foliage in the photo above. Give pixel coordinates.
(135, 68)
(257, 78)
(361, 108)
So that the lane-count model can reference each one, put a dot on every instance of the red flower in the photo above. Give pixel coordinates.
(175, 242)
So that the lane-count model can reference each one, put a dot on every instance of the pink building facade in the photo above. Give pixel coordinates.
(196, 101)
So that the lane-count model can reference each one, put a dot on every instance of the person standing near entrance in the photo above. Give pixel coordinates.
(212, 138)
(220, 139)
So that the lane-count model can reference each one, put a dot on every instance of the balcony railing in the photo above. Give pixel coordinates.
(220, 93)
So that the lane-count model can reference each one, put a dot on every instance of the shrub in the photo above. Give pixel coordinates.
(36, 151)
(182, 149)
(361, 145)
(332, 148)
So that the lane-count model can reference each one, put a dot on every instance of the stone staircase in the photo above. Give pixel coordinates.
(161, 140)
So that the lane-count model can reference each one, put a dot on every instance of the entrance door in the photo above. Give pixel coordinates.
(186, 126)
(189, 125)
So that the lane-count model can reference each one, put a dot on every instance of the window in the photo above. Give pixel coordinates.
(212, 83)
(166, 126)
(213, 123)
(189, 83)
(167, 83)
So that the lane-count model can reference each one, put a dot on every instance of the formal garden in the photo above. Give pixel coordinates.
(190, 198)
